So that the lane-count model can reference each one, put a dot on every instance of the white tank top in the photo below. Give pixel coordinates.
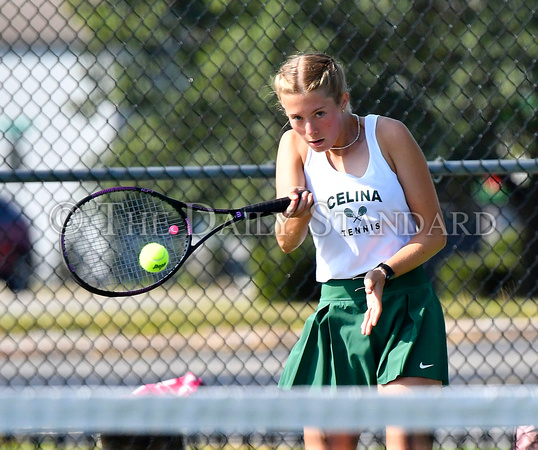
(357, 222)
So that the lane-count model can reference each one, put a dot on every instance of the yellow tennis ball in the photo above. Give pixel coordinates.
(153, 257)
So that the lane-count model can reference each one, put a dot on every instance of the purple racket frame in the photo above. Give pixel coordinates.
(69, 241)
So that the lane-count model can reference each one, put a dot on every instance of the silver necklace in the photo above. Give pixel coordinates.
(354, 140)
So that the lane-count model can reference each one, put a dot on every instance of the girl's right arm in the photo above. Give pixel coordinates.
(292, 226)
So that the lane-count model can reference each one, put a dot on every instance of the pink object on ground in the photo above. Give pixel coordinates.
(181, 386)
(526, 438)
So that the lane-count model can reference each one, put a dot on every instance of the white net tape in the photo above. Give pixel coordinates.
(244, 410)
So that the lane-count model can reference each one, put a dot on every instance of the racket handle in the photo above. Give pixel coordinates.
(269, 207)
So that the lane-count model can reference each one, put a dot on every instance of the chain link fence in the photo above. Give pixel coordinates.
(95, 94)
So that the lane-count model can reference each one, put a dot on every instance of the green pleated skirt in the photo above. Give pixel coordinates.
(409, 339)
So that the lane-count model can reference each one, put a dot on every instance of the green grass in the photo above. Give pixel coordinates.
(467, 306)
(158, 312)
(198, 310)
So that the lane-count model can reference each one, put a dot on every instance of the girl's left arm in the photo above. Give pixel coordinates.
(408, 162)
(406, 159)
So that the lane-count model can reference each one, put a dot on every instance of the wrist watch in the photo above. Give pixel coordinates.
(386, 269)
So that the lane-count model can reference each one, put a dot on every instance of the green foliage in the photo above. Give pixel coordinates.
(489, 271)
(192, 79)
(285, 277)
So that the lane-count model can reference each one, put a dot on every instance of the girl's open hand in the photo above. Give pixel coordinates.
(374, 282)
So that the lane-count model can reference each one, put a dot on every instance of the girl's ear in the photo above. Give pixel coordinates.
(344, 101)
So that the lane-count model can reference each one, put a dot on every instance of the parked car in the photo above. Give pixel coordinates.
(15, 247)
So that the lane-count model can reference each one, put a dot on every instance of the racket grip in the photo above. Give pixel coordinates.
(269, 207)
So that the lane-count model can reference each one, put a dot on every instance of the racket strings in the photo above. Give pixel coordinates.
(105, 235)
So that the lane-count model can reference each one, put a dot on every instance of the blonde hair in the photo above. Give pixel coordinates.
(309, 72)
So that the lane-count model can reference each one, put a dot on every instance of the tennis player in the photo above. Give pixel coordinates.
(374, 217)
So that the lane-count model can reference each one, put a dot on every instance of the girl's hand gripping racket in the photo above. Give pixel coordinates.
(104, 233)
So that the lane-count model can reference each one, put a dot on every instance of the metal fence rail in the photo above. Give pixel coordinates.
(437, 168)
(176, 97)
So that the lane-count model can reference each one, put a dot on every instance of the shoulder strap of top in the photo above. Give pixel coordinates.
(370, 123)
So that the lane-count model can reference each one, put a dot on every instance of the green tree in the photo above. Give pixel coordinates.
(191, 79)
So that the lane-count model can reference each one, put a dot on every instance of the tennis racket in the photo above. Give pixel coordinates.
(103, 234)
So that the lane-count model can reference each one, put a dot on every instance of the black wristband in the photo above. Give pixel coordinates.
(387, 269)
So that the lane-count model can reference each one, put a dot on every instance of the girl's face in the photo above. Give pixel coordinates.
(316, 118)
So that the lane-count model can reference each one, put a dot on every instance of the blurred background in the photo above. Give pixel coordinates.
(89, 88)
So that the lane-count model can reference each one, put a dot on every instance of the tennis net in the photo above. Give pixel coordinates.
(275, 417)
